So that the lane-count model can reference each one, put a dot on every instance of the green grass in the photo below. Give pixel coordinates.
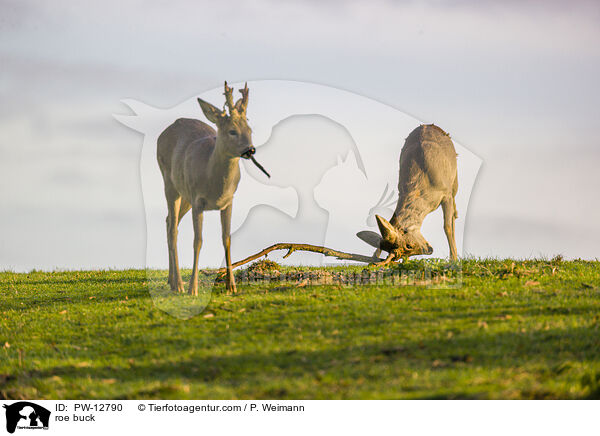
(513, 329)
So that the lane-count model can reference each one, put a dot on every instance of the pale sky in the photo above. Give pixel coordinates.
(516, 83)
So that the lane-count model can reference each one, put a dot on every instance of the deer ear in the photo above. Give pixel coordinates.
(212, 113)
(371, 238)
(388, 231)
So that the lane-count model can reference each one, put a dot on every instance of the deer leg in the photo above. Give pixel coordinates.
(197, 215)
(173, 204)
(449, 208)
(226, 234)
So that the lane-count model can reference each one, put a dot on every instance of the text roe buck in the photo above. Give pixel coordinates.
(428, 178)
(200, 169)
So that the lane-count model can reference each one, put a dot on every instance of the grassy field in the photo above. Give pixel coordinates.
(512, 330)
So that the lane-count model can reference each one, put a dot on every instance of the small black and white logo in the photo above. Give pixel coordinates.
(26, 415)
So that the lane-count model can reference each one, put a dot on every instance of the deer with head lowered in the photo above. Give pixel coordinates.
(428, 178)
(200, 169)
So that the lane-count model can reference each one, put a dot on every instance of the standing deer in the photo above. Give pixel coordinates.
(427, 179)
(200, 168)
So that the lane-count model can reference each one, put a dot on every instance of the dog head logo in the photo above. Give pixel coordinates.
(26, 415)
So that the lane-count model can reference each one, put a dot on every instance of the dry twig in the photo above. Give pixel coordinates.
(291, 247)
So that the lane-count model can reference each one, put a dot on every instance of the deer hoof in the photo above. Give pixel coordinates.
(231, 288)
(177, 288)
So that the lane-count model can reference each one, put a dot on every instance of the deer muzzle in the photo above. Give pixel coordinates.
(247, 154)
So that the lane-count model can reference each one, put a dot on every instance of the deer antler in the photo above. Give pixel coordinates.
(242, 103)
(229, 98)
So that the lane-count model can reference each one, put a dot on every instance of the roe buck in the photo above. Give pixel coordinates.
(200, 168)
(427, 179)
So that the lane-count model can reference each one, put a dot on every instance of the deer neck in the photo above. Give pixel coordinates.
(223, 168)
(410, 213)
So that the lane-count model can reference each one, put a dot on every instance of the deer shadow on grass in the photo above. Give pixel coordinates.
(258, 374)
(513, 311)
(82, 280)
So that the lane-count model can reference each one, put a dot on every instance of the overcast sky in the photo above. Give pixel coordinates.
(515, 82)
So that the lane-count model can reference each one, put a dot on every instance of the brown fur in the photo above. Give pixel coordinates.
(428, 178)
(200, 169)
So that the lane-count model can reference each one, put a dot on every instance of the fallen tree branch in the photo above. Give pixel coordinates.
(291, 247)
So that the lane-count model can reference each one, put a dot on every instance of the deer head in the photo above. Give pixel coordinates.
(400, 242)
(233, 133)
